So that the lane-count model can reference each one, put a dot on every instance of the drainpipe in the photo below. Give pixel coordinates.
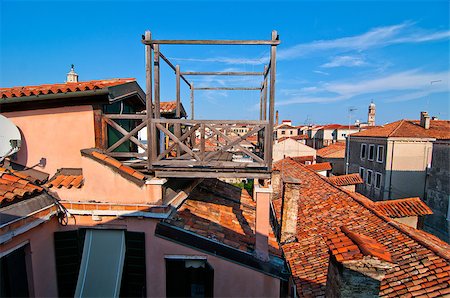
(390, 174)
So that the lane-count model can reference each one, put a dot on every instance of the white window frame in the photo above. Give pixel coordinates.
(363, 172)
(371, 177)
(381, 177)
(368, 152)
(361, 151)
(382, 153)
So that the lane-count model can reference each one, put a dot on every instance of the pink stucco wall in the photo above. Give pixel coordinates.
(43, 266)
(230, 279)
(103, 184)
(56, 134)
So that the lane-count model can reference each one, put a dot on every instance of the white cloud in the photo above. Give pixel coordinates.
(407, 85)
(348, 61)
(321, 72)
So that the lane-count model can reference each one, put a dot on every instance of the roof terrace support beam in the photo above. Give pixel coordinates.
(264, 110)
(151, 153)
(178, 107)
(212, 42)
(269, 134)
(221, 73)
(156, 81)
(192, 101)
(173, 67)
(228, 88)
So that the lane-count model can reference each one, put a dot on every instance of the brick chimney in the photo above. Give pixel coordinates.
(357, 265)
(289, 213)
(276, 117)
(424, 120)
(72, 76)
(261, 195)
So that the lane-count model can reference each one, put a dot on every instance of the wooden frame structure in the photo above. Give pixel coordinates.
(186, 154)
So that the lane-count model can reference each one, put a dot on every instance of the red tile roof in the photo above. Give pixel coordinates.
(303, 159)
(14, 188)
(296, 138)
(439, 129)
(61, 88)
(115, 164)
(335, 150)
(421, 262)
(343, 180)
(224, 213)
(403, 207)
(318, 167)
(67, 178)
(22, 174)
(339, 126)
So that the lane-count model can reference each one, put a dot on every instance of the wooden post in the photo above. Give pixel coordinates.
(157, 81)
(264, 111)
(192, 101)
(178, 107)
(269, 134)
(261, 102)
(151, 153)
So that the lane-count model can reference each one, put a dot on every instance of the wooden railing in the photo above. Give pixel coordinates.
(196, 143)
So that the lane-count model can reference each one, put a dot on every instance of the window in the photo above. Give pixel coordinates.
(371, 152)
(369, 177)
(363, 151)
(380, 153)
(344, 134)
(378, 177)
(13, 274)
(361, 173)
(283, 132)
(189, 278)
(291, 132)
(307, 162)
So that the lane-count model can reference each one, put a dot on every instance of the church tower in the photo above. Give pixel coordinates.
(371, 114)
(72, 76)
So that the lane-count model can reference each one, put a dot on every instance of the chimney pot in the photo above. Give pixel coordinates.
(425, 120)
(262, 197)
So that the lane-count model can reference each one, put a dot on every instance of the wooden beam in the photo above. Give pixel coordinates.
(192, 101)
(178, 106)
(182, 138)
(125, 116)
(228, 88)
(156, 81)
(127, 136)
(222, 73)
(264, 110)
(175, 139)
(216, 122)
(164, 58)
(126, 154)
(210, 42)
(148, 99)
(269, 133)
(125, 133)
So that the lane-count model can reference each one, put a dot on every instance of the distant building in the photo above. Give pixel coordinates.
(285, 129)
(290, 147)
(393, 158)
(371, 115)
(329, 134)
(438, 191)
(334, 154)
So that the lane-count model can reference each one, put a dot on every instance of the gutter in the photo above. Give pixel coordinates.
(75, 94)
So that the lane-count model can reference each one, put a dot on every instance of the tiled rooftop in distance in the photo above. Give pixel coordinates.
(67, 178)
(403, 207)
(344, 180)
(223, 213)
(421, 262)
(318, 167)
(335, 150)
(14, 188)
(439, 129)
(45, 89)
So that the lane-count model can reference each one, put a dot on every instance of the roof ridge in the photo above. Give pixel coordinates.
(398, 126)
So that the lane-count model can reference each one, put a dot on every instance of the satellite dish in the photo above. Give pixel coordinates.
(10, 138)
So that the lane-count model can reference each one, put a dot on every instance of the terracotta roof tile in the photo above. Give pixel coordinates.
(403, 207)
(60, 88)
(336, 150)
(439, 129)
(417, 256)
(115, 164)
(343, 180)
(13, 188)
(295, 138)
(303, 159)
(318, 167)
(224, 213)
(67, 178)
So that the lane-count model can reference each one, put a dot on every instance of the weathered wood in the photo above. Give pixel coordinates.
(178, 106)
(181, 139)
(175, 139)
(264, 110)
(208, 164)
(215, 174)
(165, 59)
(219, 122)
(125, 116)
(269, 134)
(156, 81)
(267, 68)
(210, 42)
(228, 88)
(192, 101)
(202, 141)
(98, 129)
(125, 133)
(127, 136)
(222, 73)
(151, 152)
(126, 154)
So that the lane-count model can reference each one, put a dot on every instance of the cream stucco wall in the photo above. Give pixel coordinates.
(291, 148)
(56, 134)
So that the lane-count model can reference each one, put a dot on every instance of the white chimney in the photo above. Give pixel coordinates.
(424, 120)
(72, 76)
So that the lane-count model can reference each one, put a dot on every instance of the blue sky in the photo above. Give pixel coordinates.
(334, 54)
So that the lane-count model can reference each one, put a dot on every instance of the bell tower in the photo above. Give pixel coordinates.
(72, 76)
(371, 114)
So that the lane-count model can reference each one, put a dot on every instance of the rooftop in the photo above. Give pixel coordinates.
(335, 150)
(403, 207)
(318, 167)
(439, 129)
(421, 261)
(344, 180)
